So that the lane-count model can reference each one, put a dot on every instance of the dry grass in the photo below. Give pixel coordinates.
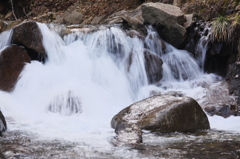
(225, 29)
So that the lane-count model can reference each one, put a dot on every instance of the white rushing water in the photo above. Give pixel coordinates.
(89, 77)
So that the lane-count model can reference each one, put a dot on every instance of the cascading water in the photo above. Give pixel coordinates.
(5, 39)
(87, 79)
(202, 46)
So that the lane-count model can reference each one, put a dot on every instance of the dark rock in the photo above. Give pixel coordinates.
(217, 54)
(29, 35)
(163, 114)
(153, 66)
(168, 20)
(233, 78)
(12, 61)
(3, 124)
(224, 111)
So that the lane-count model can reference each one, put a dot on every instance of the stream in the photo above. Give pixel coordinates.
(63, 108)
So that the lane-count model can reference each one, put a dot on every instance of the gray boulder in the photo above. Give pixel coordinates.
(168, 20)
(3, 124)
(164, 114)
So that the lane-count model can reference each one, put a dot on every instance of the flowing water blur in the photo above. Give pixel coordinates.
(63, 108)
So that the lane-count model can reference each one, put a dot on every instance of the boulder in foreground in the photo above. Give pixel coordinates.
(164, 114)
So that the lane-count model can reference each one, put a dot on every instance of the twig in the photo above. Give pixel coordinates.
(13, 10)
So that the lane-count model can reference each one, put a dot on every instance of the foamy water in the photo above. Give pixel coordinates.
(87, 79)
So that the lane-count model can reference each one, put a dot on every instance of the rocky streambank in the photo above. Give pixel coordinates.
(174, 26)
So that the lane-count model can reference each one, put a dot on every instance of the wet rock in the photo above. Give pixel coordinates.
(28, 34)
(153, 66)
(233, 78)
(163, 114)
(168, 20)
(218, 101)
(3, 124)
(12, 61)
(224, 111)
(66, 104)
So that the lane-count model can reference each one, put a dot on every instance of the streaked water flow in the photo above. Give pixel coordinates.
(88, 78)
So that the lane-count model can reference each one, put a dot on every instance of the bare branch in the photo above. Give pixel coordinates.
(13, 10)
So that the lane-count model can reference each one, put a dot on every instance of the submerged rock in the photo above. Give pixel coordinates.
(29, 35)
(12, 61)
(3, 124)
(153, 66)
(66, 104)
(168, 20)
(164, 114)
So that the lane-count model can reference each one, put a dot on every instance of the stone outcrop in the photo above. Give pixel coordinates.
(163, 114)
(153, 66)
(132, 18)
(12, 61)
(29, 35)
(3, 124)
(168, 20)
(74, 17)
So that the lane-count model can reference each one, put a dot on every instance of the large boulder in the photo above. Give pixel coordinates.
(163, 114)
(153, 66)
(168, 20)
(12, 61)
(3, 124)
(131, 18)
(30, 36)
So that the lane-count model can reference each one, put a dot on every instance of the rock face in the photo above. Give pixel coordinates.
(168, 20)
(29, 35)
(153, 65)
(132, 18)
(12, 61)
(3, 124)
(163, 114)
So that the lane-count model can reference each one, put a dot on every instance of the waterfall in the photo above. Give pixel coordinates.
(202, 46)
(5, 39)
(89, 77)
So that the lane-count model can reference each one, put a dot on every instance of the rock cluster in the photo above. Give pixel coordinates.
(26, 45)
